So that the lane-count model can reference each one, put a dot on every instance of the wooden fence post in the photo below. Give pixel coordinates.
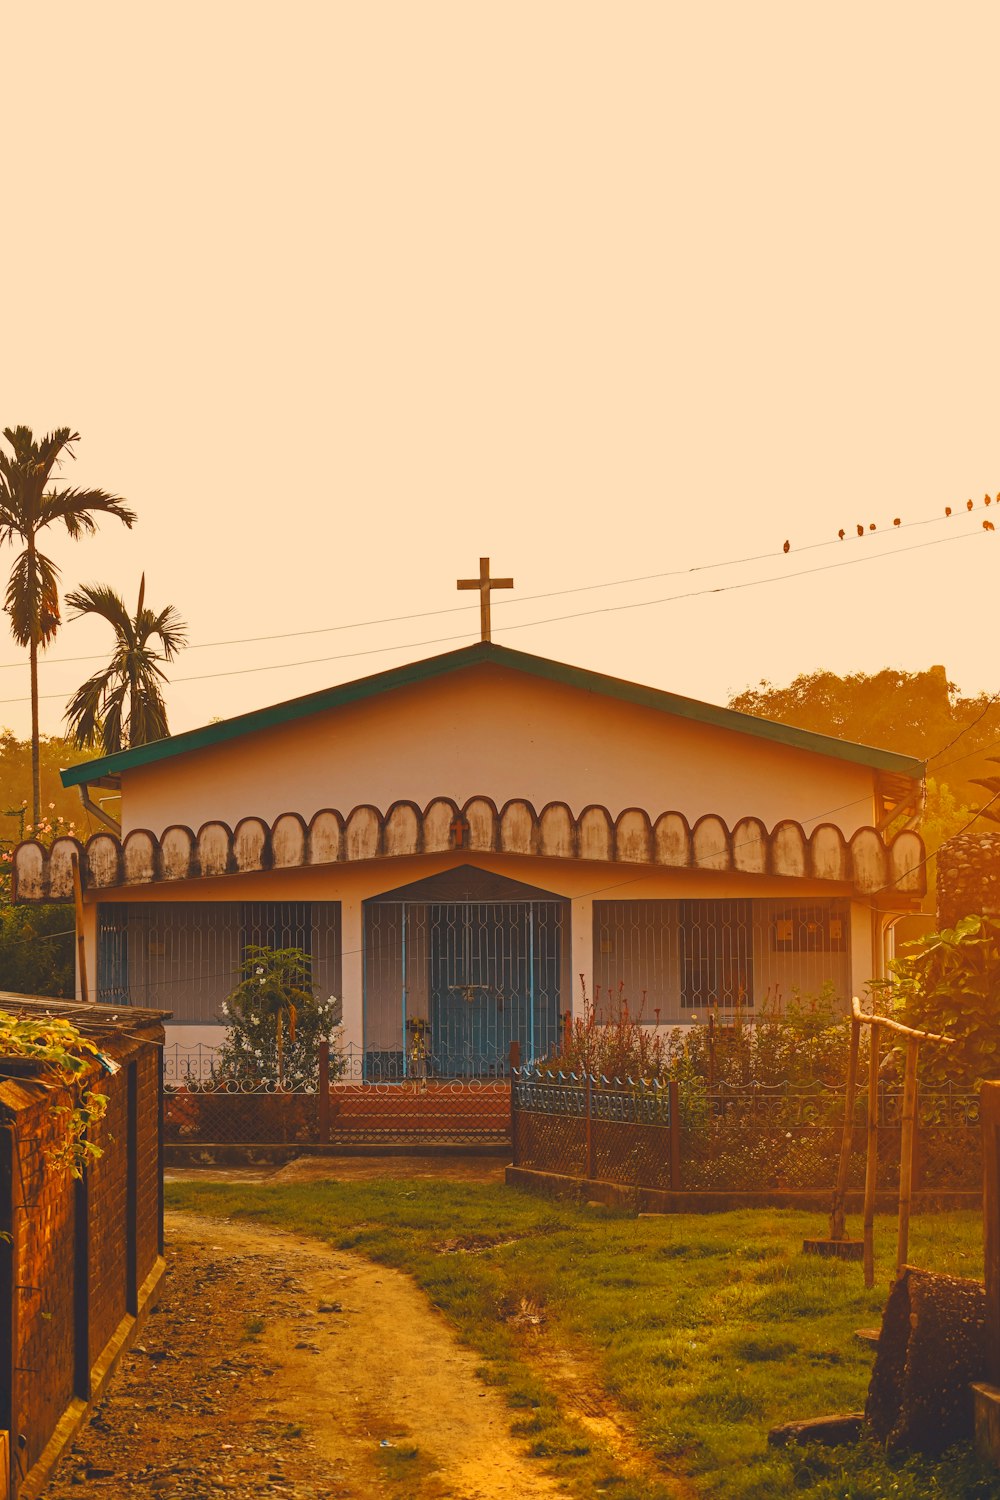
(838, 1215)
(871, 1156)
(324, 1093)
(906, 1152)
(674, 1106)
(990, 1118)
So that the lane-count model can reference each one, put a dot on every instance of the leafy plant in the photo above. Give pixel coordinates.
(64, 1061)
(275, 1022)
(949, 982)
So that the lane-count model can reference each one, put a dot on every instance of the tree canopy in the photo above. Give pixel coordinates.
(914, 713)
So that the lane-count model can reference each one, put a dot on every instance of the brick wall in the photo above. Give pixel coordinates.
(79, 1251)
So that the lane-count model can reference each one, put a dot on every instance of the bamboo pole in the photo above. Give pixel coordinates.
(871, 1158)
(906, 1151)
(838, 1215)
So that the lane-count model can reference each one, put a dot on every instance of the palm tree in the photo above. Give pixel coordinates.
(122, 704)
(28, 504)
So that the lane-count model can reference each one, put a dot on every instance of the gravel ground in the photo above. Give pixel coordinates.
(275, 1366)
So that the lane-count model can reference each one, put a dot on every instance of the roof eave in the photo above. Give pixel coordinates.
(538, 666)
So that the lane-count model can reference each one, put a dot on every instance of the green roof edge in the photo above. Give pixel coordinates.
(520, 661)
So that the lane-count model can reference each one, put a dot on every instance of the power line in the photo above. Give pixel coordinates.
(555, 619)
(497, 603)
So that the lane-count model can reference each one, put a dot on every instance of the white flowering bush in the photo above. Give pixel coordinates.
(275, 1023)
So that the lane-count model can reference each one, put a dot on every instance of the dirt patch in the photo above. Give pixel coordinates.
(351, 1169)
(573, 1380)
(242, 1386)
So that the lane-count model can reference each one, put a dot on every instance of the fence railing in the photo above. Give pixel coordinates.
(355, 1063)
(342, 1105)
(689, 1137)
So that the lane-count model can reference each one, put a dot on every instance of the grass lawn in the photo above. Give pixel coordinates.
(708, 1330)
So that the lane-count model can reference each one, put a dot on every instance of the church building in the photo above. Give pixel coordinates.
(457, 841)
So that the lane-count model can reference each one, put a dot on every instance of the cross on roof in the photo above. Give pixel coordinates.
(484, 583)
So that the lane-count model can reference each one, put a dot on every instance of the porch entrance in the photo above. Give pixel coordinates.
(456, 968)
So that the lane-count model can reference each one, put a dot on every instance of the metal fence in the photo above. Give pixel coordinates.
(340, 1107)
(359, 1064)
(687, 1137)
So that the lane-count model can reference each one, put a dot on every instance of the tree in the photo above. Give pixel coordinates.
(915, 713)
(122, 704)
(28, 504)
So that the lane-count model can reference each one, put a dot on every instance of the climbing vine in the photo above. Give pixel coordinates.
(64, 1063)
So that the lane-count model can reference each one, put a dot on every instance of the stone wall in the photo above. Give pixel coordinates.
(968, 877)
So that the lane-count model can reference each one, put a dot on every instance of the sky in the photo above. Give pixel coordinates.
(342, 297)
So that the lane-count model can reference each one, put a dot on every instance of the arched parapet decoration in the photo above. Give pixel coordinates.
(710, 846)
(908, 863)
(828, 854)
(596, 834)
(789, 849)
(866, 862)
(672, 840)
(482, 821)
(31, 872)
(141, 857)
(750, 847)
(634, 837)
(869, 862)
(104, 861)
(326, 837)
(61, 867)
(363, 833)
(179, 853)
(215, 849)
(519, 832)
(288, 841)
(441, 822)
(252, 845)
(403, 829)
(557, 831)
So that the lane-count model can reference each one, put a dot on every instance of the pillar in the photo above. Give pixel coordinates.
(352, 978)
(581, 952)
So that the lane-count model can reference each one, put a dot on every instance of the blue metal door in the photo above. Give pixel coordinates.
(465, 977)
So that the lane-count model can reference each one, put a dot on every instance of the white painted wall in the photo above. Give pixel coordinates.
(493, 731)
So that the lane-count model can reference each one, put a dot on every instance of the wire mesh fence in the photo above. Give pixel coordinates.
(348, 1101)
(658, 1135)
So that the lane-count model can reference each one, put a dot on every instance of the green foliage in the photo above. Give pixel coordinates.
(707, 1330)
(36, 950)
(800, 1041)
(916, 713)
(64, 1061)
(276, 1023)
(949, 982)
(15, 784)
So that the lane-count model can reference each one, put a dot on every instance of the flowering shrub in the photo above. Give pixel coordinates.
(275, 1023)
(803, 1041)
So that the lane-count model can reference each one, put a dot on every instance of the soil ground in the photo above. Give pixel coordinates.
(275, 1365)
(457, 1168)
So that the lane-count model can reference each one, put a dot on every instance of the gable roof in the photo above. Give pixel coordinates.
(502, 656)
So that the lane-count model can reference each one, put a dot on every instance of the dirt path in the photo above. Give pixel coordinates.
(277, 1366)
